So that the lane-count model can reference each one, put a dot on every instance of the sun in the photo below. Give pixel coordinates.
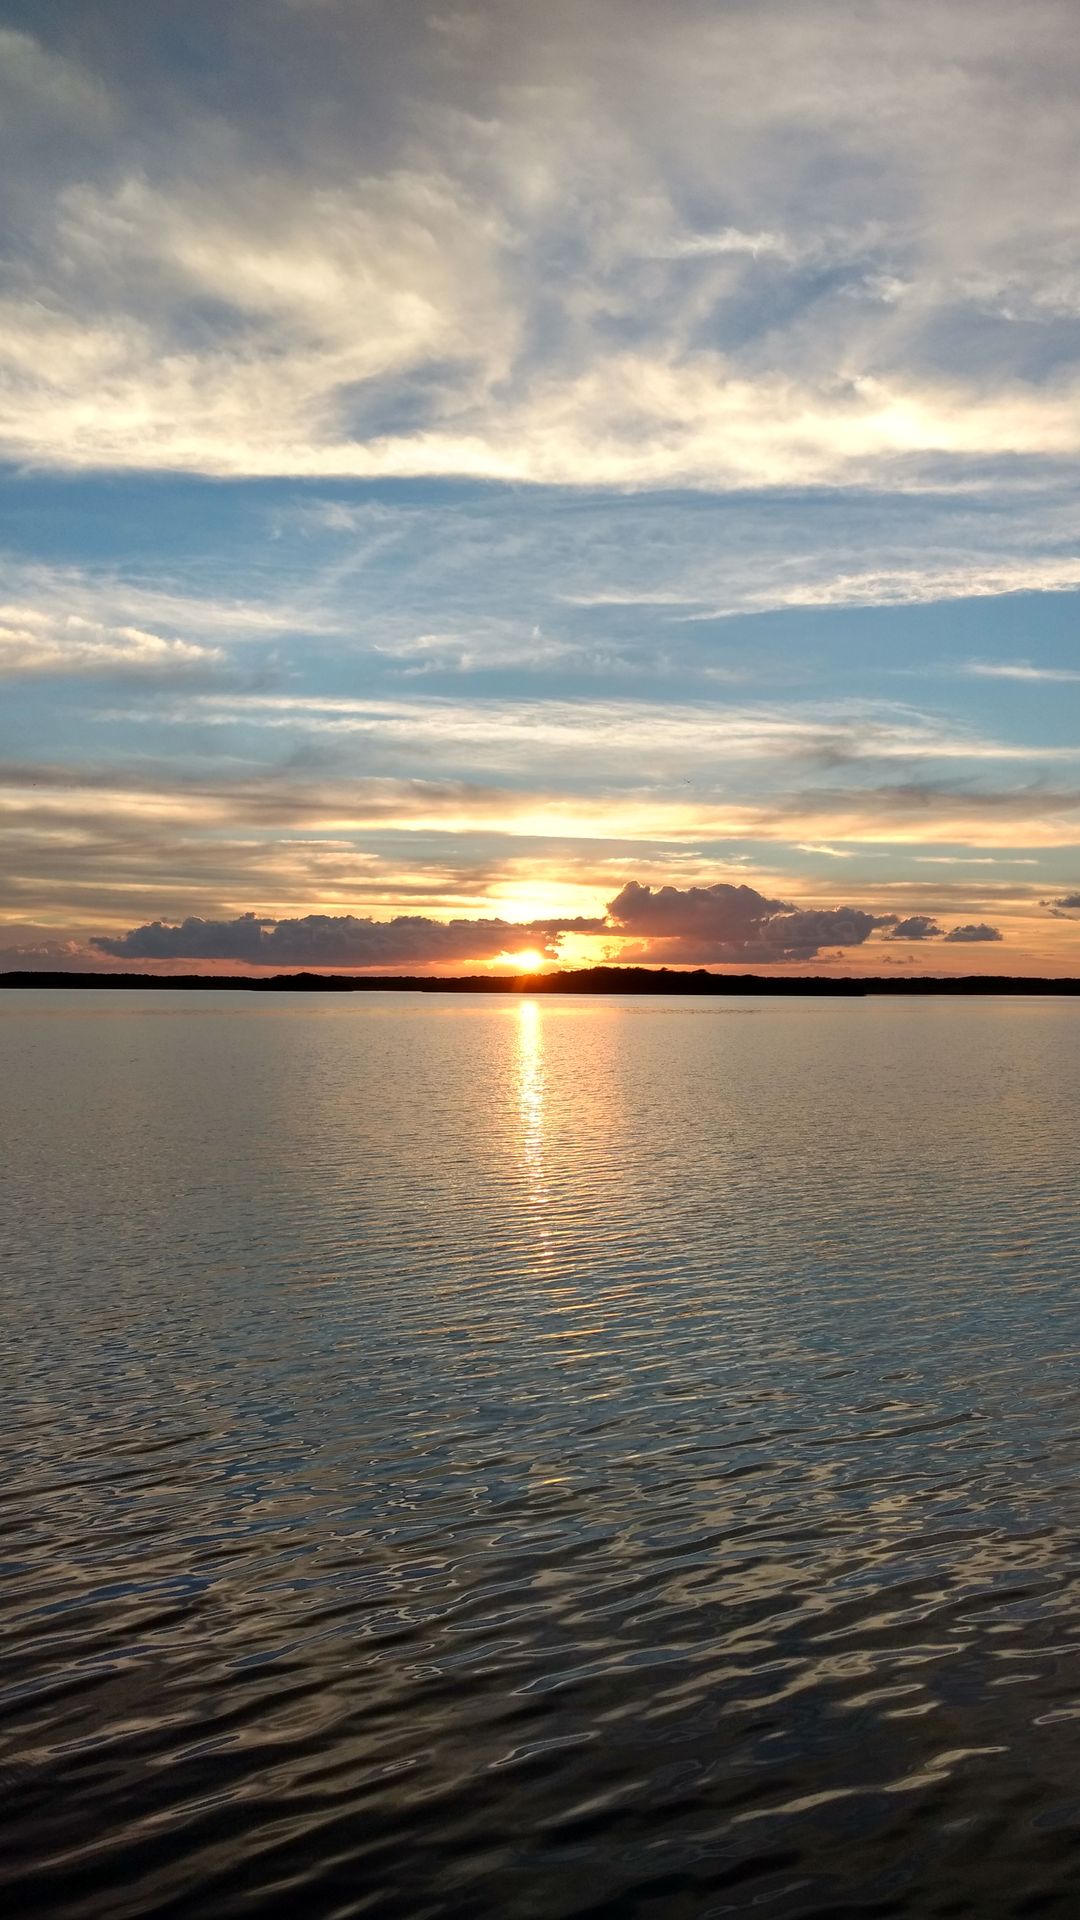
(529, 960)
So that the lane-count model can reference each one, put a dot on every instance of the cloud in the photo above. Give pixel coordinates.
(756, 248)
(915, 579)
(42, 952)
(924, 812)
(918, 926)
(671, 564)
(729, 925)
(480, 652)
(36, 644)
(337, 940)
(769, 308)
(968, 935)
(732, 925)
(64, 621)
(91, 842)
(722, 924)
(493, 733)
(1064, 906)
(1018, 670)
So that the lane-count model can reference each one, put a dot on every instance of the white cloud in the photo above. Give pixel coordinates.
(696, 246)
(898, 813)
(919, 582)
(480, 651)
(643, 570)
(1018, 670)
(35, 644)
(749, 247)
(602, 738)
(57, 621)
(44, 95)
(61, 621)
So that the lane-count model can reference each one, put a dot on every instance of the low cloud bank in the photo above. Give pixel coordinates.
(339, 940)
(729, 924)
(732, 925)
(724, 924)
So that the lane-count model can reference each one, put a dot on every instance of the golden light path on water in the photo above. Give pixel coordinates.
(531, 1091)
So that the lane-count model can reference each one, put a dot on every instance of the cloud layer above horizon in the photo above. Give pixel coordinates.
(665, 926)
(602, 469)
(607, 243)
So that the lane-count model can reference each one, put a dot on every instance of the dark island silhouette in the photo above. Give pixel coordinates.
(630, 980)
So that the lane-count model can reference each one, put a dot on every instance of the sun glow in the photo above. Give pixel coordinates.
(529, 960)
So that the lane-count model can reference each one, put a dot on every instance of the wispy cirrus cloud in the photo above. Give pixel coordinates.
(1019, 670)
(58, 622)
(492, 733)
(911, 812)
(582, 562)
(196, 306)
(35, 644)
(972, 860)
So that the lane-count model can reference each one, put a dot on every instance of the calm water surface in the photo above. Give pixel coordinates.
(584, 1458)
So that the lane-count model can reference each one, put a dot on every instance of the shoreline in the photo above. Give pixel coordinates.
(593, 980)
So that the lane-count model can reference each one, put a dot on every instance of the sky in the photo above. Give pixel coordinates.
(594, 480)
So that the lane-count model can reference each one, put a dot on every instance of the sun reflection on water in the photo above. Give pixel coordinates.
(531, 1108)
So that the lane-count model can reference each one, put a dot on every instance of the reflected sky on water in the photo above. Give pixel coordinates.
(538, 1458)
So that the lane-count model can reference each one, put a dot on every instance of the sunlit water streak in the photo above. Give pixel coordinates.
(538, 1458)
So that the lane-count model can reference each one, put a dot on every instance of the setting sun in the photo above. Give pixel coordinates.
(529, 960)
(600, 475)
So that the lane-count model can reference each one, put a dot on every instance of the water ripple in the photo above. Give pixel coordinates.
(540, 1461)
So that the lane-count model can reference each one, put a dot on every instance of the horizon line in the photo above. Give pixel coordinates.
(598, 980)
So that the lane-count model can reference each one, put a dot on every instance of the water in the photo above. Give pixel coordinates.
(530, 1460)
